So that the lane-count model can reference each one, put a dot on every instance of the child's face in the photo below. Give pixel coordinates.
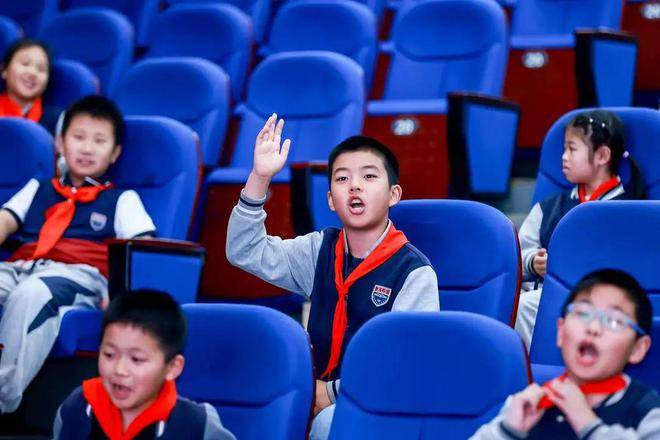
(360, 192)
(89, 147)
(578, 163)
(27, 74)
(133, 368)
(592, 352)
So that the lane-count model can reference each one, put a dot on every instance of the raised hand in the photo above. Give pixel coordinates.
(540, 262)
(269, 155)
(566, 395)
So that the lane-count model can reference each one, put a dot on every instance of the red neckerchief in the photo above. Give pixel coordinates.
(8, 107)
(109, 416)
(393, 241)
(602, 189)
(606, 386)
(60, 215)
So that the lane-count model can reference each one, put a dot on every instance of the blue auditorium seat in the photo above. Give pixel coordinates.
(31, 15)
(258, 10)
(160, 160)
(439, 48)
(452, 233)
(254, 365)
(139, 12)
(191, 90)
(614, 234)
(567, 54)
(321, 97)
(426, 375)
(340, 26)
(10, 31)
(642, 131)
(28, 151)
(219, 33)
(99, 38)
(69, 81)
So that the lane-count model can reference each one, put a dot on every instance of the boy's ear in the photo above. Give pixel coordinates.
(639, 350)
(115, 153)
(175, 367)
(395, 194)
(331, 204)
(560, 332)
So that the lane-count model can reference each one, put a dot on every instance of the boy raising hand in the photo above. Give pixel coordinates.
(350, 274)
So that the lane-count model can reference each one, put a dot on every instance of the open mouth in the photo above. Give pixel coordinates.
(120, 391)
(356, 206)
(84, 162)
(587, 353)
(29, 84)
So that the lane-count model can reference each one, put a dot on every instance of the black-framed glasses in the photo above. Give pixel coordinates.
(612, 319)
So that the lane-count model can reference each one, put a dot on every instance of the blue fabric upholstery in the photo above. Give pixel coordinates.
(557, 17)
(191, 90)
(452, 233)
(254, 365)
(426, 376)
(642, 127)
(69, 81)
(31, 15)
(219, 33)
(647, 371)
(28, 151)
(319, 94)
(100, 38)
(615, 234)
(139, 12)
(10, 31)
(338, 26)
(258, 10)
(447, 45)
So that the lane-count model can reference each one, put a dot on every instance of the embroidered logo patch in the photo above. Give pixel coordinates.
(380, 295)
(97, 221)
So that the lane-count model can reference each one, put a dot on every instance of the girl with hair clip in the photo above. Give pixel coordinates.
(25, 70)
(593, 151)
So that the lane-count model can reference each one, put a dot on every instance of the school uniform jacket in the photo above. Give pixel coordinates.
(630, 414)
(305, 265)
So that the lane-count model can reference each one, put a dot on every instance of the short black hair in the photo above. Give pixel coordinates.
(155, 312)
(98, 107)
(25, 43)
(365, 143)
(602, 127)
(624, 281)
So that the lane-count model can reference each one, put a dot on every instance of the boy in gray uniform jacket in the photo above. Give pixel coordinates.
(350, 275)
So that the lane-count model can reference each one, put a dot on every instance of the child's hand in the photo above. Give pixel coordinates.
(269, 158)
(322, 399)
(523, 412)
(540, 262)
(572, 402)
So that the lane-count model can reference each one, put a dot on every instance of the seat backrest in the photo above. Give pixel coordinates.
(647, 370)
(254, 365)
(613, 234)
(427, 375)
(31, 15)
(440, 46)
(139, 12)
(642, 140)
(219, 33)
(451, 233)
(99, 38)
(160, 160)
(10, 31)
(258, 10)
(338, 26)
(28, 151)
(191, 90)
(557, 17)
(320, 95)
(376, 6)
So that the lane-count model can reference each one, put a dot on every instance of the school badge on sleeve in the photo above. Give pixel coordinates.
(97, 221)
(380, 295)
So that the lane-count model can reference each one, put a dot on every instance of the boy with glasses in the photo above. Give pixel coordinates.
(604, 326)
